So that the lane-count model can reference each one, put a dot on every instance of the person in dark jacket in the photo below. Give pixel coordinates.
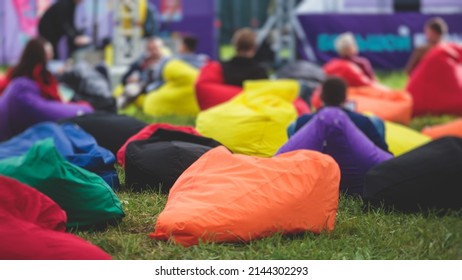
(334, 95)
(58, 21)
(242, 66)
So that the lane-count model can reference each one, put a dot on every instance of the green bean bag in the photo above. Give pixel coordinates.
(86, 198)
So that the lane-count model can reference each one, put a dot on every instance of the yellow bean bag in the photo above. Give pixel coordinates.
(255, 121)
(401, 139)
(177, 95)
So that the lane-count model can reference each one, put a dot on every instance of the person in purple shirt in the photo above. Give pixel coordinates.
(347, 49)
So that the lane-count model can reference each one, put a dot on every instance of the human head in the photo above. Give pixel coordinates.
(435, 29)
(34, 54)
(154, 48)
(333, 91)
(345, 45)
(188, 44)
(244, 42)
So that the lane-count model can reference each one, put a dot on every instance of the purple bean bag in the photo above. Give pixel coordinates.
(22, 106)
(332, 132)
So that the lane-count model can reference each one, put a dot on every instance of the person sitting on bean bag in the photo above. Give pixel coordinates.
(333, 94)
(33, 65)
(187, 52)
(242, 66)
(357, 71)
(435, 29)
(144, 75)
(32, 94)
(218, 82)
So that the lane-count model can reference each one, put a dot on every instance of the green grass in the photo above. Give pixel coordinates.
(357, 234)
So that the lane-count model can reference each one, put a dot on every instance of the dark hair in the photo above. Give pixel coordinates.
(33, 54)
(244, 40)
(438, 25)
(190, 41)
(333, 91)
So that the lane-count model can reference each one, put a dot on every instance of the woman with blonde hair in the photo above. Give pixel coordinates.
(347, 49)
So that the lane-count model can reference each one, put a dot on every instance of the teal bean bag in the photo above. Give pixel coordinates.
(86, 198)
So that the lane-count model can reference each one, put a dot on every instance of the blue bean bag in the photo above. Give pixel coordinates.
(22, 106)
(332, 132)
(72, 142)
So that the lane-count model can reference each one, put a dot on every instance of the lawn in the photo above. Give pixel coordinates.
(357, 235)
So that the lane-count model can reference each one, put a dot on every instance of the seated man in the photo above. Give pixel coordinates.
(435, 29)
(243, 66)
(145, 74)
(187, 52)
(334, 95)
(347, 49)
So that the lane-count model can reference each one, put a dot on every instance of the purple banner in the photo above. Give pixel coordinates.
(197, 18)
(386, 39)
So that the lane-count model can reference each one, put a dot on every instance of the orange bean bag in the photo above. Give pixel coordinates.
(387, 104)
(453, 128)
(350, 72)
(436, 83)
(236, 198)
(211, 89)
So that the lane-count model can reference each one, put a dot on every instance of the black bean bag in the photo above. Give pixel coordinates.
(302, 70)
(156, 163)
(309, 75)
(426, 178)
(110, 131)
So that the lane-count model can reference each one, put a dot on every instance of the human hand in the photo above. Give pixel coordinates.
(82, 40)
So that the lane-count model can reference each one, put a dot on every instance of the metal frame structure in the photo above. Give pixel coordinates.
(285, 30)
(127, 32)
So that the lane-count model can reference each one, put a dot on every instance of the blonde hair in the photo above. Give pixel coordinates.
(244, 40)
(345, 41)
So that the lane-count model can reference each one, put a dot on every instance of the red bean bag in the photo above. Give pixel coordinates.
(301, 107)
(350, 72)
(236, 198)
(211, 89)
(387, 104)
(149, 130)
(3, 83)
(32, 227)
(436, 83)
(453, 128)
